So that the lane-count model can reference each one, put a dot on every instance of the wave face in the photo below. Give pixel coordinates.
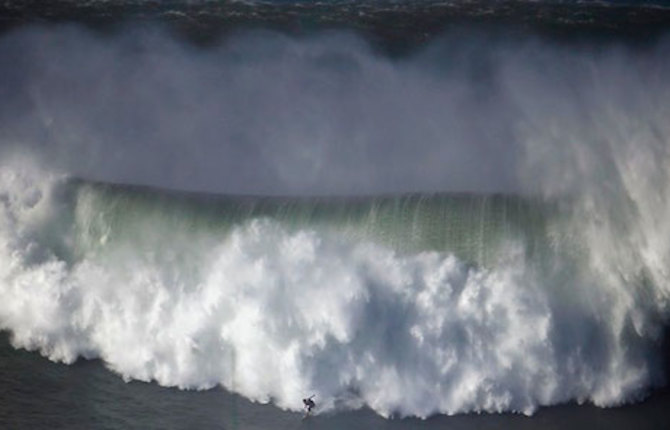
(410, 305)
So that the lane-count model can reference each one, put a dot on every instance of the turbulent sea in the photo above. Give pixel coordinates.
(428, 214)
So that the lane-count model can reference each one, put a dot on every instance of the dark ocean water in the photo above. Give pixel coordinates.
(395, 26)
(38, 394)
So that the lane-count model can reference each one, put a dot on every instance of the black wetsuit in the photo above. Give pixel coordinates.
(309, 404)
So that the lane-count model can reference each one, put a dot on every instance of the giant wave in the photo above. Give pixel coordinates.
(546, 282)
(274, 298)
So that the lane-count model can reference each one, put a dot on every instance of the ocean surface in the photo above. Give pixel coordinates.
(37, 393)
(428, 214)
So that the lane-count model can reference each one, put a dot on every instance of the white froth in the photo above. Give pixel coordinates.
(274, 313)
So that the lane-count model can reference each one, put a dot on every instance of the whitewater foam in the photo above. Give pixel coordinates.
(272, 313)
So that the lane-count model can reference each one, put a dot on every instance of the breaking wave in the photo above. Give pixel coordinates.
(556, 289)
(274, 298)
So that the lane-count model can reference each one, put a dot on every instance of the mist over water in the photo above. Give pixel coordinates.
(264, 113)
(555, 291)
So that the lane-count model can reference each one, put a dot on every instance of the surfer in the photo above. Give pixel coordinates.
(309, 404)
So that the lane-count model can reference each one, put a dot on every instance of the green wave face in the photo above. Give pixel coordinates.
(472, 227)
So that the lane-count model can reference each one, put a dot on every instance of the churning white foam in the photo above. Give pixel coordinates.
(274, 314)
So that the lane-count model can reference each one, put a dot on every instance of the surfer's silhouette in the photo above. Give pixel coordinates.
(309, 404)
